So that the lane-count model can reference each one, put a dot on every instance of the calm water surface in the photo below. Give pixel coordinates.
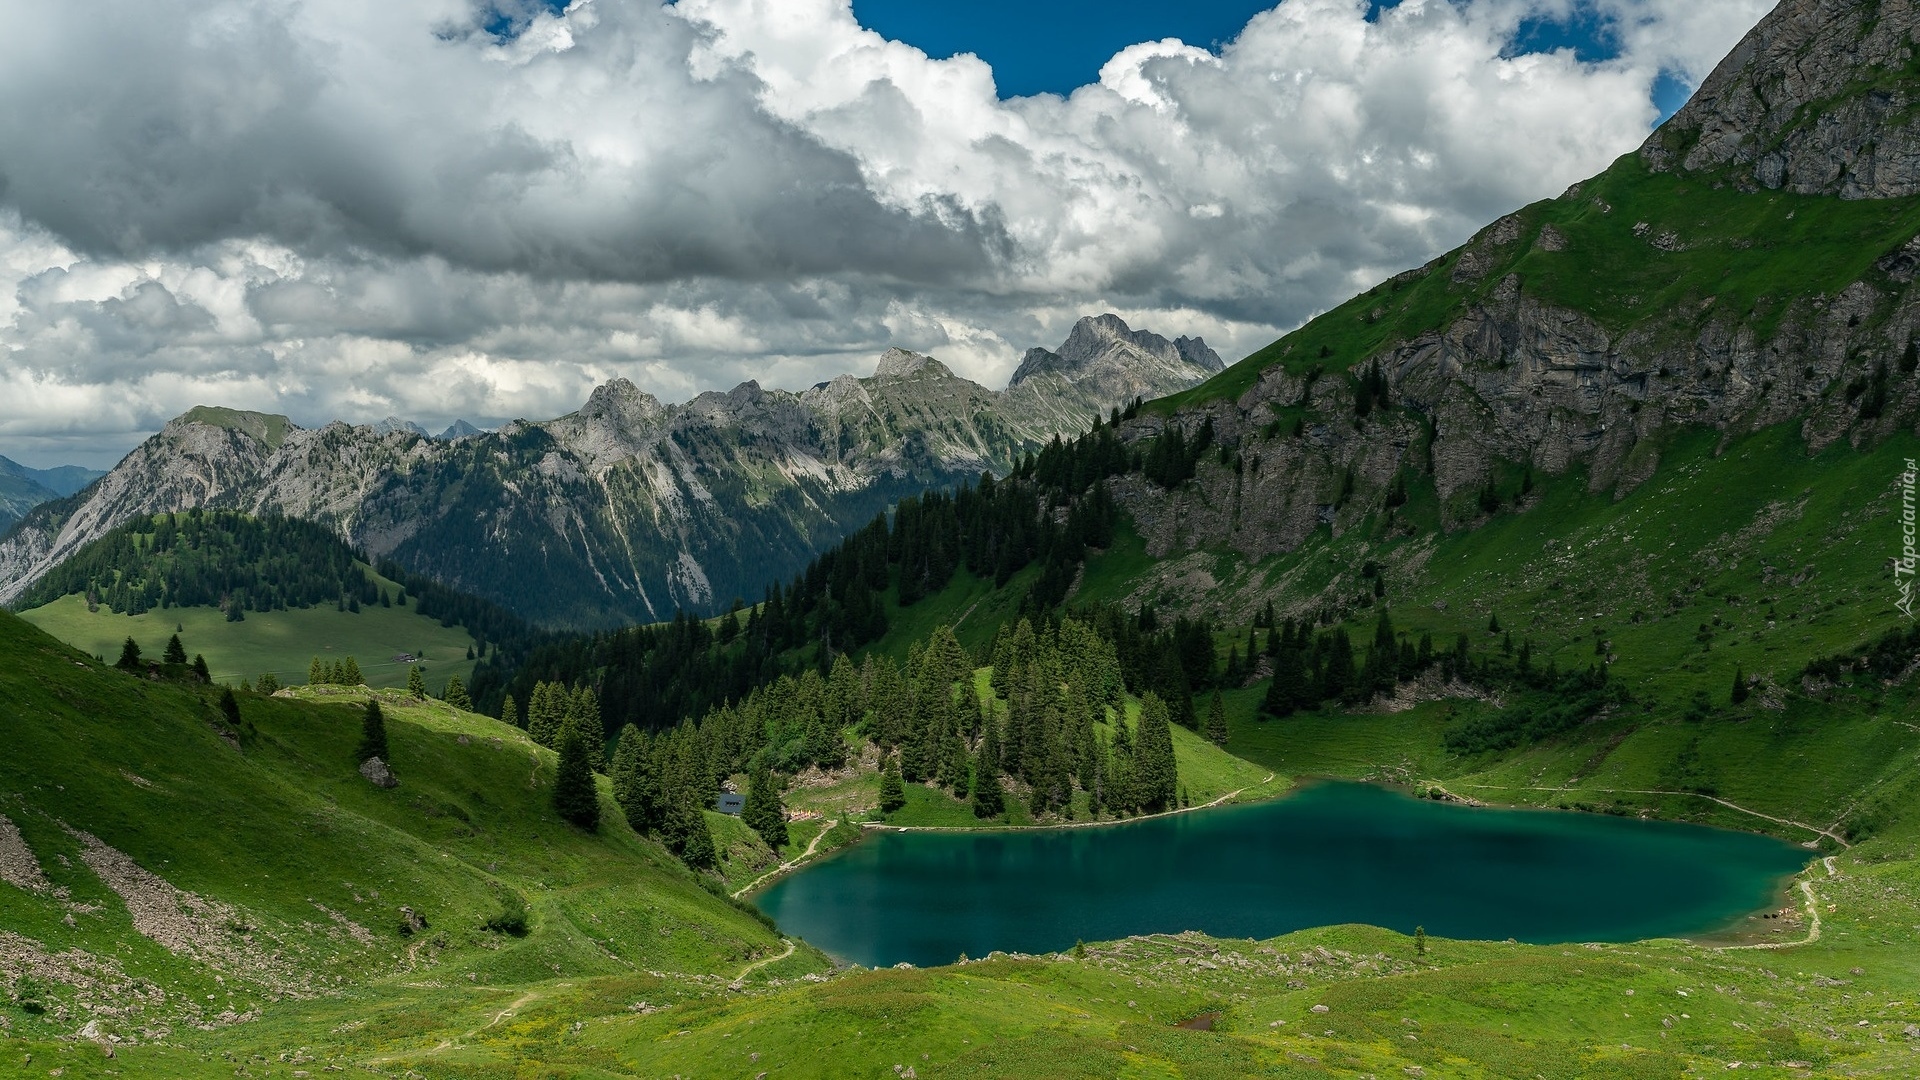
(1332, 853)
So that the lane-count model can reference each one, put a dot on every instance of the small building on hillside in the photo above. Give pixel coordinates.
(728, 802)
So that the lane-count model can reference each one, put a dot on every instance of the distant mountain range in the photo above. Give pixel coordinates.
(628, 509)
(22, 489)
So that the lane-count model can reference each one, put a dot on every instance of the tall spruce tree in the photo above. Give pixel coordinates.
(573, 792)
(129, 656)
(1217, 720)
(509, 712)
(583, 710)
(417, 682)
(350, 672)
(1157, 778)
(635, 783)
(545, 711)
(893, 793)
(316, 673)
(761, 811)
(199, 667)
(989, 798)
(456, 694)
(697, 849)
(373, 735)
(176, 653)
(230, 707)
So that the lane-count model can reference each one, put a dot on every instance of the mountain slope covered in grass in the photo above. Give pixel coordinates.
(267, 597)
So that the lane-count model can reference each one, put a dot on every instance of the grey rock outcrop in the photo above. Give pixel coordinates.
(1818, 99)
(378, 774)
(1518, 376)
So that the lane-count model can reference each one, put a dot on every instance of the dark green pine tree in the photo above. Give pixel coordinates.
(416, 682)
(176, 653)
(373, 735)
(697, 851)
(1739, 684)
(230, 707)
(893, 793)
(129, 656)
(636, 780)
(761, 811)
(200, 671)
(456, 694)
(989, 799)
(1217, 720)
(573, 793)
(1288, 690)
(1157, 780)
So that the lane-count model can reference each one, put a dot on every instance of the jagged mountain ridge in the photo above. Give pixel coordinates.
(623, 511)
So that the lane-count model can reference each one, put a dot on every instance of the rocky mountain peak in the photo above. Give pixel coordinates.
(898, 363)
(393, 423)
(1105, 344)
(619, 402)
(1816, 99)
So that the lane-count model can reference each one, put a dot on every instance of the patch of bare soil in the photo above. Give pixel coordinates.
(206, 931)
(17, 865)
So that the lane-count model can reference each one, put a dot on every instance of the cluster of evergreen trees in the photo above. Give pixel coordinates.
(1051, 719)
(334, 673)
(213, 558)
(1312, 667)
(173, 662)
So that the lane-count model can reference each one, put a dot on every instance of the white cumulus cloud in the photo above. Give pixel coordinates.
(357, 208)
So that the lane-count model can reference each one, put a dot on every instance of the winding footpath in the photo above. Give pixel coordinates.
(739, 981)
(1813, 916)
(812, 846)
(1815, 829)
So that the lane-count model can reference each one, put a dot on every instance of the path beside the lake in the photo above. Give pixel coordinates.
(812, 846)
(1813, 916)
(1815, 829)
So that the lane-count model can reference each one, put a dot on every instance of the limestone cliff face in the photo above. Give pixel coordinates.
(625, 510)
(1548, 356)
(1818, 99)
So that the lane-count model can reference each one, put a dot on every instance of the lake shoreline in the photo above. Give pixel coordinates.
(1237, 847)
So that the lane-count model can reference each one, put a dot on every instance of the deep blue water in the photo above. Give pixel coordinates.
(1331, 853)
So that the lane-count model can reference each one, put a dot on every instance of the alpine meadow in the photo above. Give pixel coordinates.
(1509, 671)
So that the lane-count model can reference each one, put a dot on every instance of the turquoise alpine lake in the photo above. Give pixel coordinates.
(1329, 853)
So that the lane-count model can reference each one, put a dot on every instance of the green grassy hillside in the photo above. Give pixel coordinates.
(281, 642)
(172, 874)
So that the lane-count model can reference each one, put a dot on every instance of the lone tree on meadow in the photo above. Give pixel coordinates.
(762, 811)
(200, 671)
(129, 656)
(373, 735)
(573, 793)
(176, 653)
(417, 683)
(230, 707)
